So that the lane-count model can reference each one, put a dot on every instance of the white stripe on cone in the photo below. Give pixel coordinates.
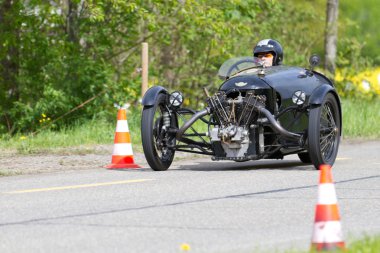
(327, 232)
(122, 149)
(122, 126)
(326, 194)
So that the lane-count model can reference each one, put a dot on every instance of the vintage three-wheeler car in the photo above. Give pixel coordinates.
(257, 113)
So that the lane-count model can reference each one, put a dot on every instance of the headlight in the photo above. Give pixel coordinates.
(176, 99)
(299, 97)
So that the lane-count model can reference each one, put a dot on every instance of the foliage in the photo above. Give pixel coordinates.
(358, 85)
(358, 50)
(360, 20)
(65, 56)
(356, 77)
(55, 56)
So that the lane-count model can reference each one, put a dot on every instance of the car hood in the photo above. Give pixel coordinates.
(244, 82)
(284, 79)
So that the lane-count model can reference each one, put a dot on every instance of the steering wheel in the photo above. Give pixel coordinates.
(236, 66)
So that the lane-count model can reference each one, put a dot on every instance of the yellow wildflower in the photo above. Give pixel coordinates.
(43, 115)
(186, 102)
(22, 137)
(185, 247)
(339, 76)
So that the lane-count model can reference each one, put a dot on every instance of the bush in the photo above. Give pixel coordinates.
(363, 85)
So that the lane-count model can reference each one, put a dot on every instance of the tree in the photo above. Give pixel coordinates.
(9, 57)
(331, 34)
(54, 55)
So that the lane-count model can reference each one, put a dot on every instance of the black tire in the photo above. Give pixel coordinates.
(304, 157)
(324, 132)
(155, 140)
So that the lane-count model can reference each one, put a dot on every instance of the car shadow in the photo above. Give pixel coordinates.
(249, 165)
(203, 165)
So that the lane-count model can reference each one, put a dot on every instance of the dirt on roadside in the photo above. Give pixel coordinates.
(65, 159)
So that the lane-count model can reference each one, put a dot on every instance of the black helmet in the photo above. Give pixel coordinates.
(272, 46)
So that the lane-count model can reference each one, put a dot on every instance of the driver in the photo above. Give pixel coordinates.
(269, 51)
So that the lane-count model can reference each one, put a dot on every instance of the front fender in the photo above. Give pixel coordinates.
(316, 98)
(151, 95)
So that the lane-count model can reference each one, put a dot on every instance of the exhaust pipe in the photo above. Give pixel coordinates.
(188, 123)
(277, 127)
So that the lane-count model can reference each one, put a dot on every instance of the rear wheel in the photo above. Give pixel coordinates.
(324, 132)
(158, 145)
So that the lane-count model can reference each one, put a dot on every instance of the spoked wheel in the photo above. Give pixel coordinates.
(324, 132)
(157, 143)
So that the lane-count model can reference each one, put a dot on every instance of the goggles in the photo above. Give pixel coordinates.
(266, 55)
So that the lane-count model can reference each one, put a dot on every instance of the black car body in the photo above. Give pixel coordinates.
(257, 113)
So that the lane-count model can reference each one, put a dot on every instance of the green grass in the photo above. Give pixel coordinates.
(7, 173)
(367, 244)
(86, 134)
(81, 136)
(361, 120)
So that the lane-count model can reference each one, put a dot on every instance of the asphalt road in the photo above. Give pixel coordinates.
(208, 206)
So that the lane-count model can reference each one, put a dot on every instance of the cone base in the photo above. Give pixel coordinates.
(123, 166)
(328, 246)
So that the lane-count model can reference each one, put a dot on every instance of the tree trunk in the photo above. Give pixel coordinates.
(10, 63)
(9, 58)
(331, 34)
(71, 20)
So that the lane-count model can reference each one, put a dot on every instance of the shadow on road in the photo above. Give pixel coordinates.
(249, 165)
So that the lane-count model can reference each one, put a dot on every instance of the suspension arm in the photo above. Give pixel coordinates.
(191, 121)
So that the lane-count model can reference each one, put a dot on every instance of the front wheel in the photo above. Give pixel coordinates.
(158, 145)
(324, 132)
(304, 157)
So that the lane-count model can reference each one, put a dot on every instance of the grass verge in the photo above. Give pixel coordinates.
(360, 120)
(367, 244)
(80, 138)
(6, 173)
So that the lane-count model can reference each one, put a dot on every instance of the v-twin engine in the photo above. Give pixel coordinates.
(233, 114)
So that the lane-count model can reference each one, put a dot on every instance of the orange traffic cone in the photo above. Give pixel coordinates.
(327, 233)
(122, 156)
